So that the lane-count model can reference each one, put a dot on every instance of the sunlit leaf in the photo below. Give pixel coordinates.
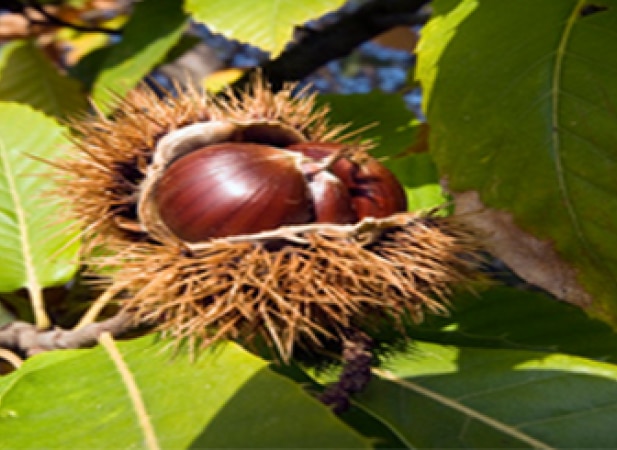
(153, 29)
(509, 318)
(528, 120)
(36, 247)
(27, 76)
(267, 24)
(219, 80)
(81, 44)
(226, 398)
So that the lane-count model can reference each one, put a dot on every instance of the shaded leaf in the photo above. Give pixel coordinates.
(508, 318)
(27, 76)
(226, 398)
(447, 397)
(394, 130)
(88, 67)
(5, 316)
(528, 121)
(37, 248)
(267, 24)
(153, 30)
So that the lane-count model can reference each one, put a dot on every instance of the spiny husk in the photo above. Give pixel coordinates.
(113, 155)
(298, 285)
(310, 286)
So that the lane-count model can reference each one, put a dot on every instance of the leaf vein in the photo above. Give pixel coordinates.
(133, 390)
(467, 411)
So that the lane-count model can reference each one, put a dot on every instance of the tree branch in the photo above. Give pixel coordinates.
(317, 47)
(51, 20)
(27, 340)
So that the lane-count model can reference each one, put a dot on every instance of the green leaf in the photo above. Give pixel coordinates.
(226, 398)
(5, 316)
(508, 318)
(27, 76)
(528, 120)
(267, 24)
(154, 28)
(37, 249)
(393, 128)
(446, 397)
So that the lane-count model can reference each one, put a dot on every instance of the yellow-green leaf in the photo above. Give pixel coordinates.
(37, 248)
(152, 31)
(267, 24)
(114, 398)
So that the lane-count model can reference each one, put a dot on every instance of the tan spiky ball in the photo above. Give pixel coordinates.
(320, 245)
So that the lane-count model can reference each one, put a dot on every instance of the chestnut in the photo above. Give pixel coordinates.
(374, 190)
(238, 188)
(232, 188)
(331, 199)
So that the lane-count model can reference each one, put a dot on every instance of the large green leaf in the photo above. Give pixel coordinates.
(522, 101)
(37, 249)
(447, 397)
(268, 24)
(27, 76)
(434, 396)
(482, 348)
(226, 398)
(393, 128)
(153, 29)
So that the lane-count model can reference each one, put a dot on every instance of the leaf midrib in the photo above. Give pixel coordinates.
(556, 89)
(134, 394)
(465, 410)
(32, 282)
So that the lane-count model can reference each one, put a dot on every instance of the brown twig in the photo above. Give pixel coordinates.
(317, 47)
(26, 339)
(51, 20)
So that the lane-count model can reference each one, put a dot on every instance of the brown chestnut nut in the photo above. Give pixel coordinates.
(374, 190)
(232, 188)
(331, 199)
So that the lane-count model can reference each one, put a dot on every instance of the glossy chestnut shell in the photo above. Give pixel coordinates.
(374, 190)
(235, 188)
(232, 188)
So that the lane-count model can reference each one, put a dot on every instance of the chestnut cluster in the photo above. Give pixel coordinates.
(237, 188)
